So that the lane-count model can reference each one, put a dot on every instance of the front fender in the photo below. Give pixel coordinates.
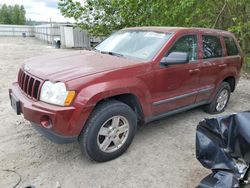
(89, 96)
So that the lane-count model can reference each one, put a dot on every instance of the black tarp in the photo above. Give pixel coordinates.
(223, 144)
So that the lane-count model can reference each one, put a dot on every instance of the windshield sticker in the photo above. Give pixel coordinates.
(156, 35)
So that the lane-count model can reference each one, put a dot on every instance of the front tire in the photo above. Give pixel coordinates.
(220, 101)
(109, 131)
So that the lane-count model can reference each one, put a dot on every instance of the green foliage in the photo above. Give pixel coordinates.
(248, 60)
(12, 14)
(102, 17)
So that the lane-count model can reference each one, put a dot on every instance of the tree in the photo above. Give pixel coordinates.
(22, 18)
(5, 14)
(102, 17)
(12, 14)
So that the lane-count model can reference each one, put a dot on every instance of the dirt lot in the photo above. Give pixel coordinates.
(162, 154)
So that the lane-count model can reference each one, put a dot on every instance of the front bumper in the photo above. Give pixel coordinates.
(51, 135)
(66, 122)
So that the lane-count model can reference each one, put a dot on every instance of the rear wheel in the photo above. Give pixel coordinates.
(220, 101)
(109, 131)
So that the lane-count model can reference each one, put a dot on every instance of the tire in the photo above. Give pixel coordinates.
(104, 129)
(213, 108)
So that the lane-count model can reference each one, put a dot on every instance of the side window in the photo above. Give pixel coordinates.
(211, 47)
(231, 46)
(187, 44)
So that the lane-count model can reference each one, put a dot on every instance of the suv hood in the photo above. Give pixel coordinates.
(71, 65)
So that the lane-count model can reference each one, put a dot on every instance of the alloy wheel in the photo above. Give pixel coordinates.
(113, 134)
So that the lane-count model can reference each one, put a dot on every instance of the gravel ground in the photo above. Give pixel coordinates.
(161, 155)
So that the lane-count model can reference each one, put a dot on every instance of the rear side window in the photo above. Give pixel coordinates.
(211, 47)
(188, 44)
(231, 46)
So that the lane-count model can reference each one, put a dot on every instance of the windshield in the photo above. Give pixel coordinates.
(134, 44)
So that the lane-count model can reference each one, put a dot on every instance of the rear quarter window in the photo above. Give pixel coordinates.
(212, 47)
(231, 47)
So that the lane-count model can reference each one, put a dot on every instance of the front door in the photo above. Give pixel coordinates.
(176, 86)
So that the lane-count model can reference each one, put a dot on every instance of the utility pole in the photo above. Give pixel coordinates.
(51, 39)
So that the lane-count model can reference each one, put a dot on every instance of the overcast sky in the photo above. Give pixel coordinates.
(39, 10)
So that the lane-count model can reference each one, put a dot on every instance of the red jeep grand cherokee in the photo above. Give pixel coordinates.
(136, 75)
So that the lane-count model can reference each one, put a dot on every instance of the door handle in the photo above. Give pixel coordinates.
(222, 65)
(194, 71)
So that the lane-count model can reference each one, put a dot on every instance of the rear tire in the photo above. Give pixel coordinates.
(109, 131)
(220, 100)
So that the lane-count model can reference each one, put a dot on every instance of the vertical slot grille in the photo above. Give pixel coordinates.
(29, 84)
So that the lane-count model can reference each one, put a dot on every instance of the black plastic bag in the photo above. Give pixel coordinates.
(223, 144)
(219, 179)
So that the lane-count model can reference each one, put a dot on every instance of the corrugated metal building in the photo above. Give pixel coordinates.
(74, 37)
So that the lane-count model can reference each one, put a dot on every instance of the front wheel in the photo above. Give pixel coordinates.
(220, 101)
(109, 131)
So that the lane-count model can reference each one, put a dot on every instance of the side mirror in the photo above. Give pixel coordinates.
(175, 58)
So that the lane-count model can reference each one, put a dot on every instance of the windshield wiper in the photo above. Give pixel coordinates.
(110, 53)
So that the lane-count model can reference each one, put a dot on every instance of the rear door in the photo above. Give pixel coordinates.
(211, 65)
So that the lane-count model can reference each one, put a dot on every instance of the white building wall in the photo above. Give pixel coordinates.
(70, 37)
(16, 30)
(47, 32)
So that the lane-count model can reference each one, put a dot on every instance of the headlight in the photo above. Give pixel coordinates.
(56, 93)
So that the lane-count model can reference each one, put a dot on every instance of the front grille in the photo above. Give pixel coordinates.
(29, 84)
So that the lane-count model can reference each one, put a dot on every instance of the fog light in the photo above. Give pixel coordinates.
(45, 122)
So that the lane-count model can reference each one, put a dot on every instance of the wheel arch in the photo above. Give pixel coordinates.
(129, 99)
(231, 81)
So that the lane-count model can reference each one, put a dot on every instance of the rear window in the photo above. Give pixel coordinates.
(231, 46)
(211, 47)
